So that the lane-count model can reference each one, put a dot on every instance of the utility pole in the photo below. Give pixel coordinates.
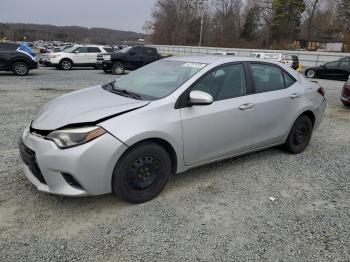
(201, 31)
(199, 4)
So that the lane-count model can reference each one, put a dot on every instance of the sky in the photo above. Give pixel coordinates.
(128, 15)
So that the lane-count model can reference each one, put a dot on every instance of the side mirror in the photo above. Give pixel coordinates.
(76, 52)
(200, 98)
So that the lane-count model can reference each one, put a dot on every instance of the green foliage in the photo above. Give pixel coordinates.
(286, 20)
(251, 23)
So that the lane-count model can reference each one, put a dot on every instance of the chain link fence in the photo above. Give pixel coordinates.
(306, 58)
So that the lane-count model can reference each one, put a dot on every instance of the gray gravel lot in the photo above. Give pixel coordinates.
(220, 212)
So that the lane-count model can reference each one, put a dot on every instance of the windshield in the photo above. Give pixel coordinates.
(125, 50)
(158, 79)
(70, 49)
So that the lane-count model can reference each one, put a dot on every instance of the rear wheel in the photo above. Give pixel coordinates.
(66, 64)
(142, 173)
(117, 68)
(311, 74)
(300, 135)
(20, 68)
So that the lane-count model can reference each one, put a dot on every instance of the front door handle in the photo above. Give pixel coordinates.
(246, 106)
(294, 96)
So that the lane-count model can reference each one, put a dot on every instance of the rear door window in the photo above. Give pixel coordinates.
(82, 50)
(94, 50)
(150, 52)
(267, 78)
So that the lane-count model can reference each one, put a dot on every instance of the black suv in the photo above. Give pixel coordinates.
(129, 58)
(16, 58)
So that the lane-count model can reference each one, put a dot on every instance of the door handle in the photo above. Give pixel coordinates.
(294, 96)
(246, 106)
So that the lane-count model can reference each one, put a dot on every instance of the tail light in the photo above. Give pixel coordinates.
(321, 91)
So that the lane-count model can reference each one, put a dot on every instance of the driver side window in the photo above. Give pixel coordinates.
(332, 64)
(82, 50)
(223, 83)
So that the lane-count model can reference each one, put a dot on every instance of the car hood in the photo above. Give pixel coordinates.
(57, 53)
(84, 106)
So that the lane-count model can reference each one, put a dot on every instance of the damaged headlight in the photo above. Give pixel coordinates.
(70, 137)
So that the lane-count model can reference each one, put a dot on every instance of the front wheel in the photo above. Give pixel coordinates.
(66, 64)
(311, 74)
(142, 173)
(300, 135)
(117, 68)
(20, 68)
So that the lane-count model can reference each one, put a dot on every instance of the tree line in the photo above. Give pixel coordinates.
(76, 34)
(249, 23)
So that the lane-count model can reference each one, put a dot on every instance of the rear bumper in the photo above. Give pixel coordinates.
(319, 112)
(33, 65)
(345, 100)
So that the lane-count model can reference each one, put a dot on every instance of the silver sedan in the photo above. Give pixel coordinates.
(130, 135)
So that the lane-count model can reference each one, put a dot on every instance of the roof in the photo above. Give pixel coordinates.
(209, 59)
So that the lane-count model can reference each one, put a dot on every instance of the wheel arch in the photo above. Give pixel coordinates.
(19, 60)
(66, 58)
(116, 60)
(167, 146)
(309, 114)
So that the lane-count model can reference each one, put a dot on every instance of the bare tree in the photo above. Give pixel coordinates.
(312, 8)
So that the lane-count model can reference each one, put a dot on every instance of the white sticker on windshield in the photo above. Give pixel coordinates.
(194, 65)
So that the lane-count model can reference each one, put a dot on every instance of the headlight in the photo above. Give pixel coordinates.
(75, 136)
(106, 57)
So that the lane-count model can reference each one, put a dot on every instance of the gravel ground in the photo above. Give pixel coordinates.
(220, 212)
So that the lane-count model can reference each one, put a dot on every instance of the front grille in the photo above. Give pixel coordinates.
(72, 181)
(29, 158)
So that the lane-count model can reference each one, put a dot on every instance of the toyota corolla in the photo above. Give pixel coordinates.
(130, 135)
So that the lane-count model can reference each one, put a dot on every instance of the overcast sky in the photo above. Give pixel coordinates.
(116, 14)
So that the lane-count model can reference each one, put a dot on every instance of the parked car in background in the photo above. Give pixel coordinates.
(345, 95)
(18, 58)
(291, 60)
(130, 135)
(76, 56)
(224, 53)
(257, 55)
(339, 70)
(129, 58)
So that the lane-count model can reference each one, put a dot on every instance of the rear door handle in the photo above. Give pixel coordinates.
(246, 106)
(294, 96)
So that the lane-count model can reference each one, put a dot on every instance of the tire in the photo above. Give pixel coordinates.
(20, 68)
(66, 64)
(311, 74)
(117, 68)
(141, 173)
(300, 135)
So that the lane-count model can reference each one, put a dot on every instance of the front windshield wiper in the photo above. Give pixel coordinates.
(123, 92)
(126, 93)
